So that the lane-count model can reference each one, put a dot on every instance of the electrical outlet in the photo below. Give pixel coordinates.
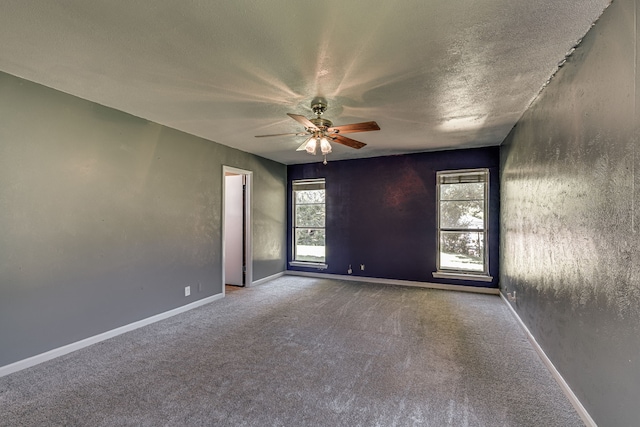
(187, 291)
(362, 267)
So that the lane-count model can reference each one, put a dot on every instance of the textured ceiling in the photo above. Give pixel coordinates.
(434, 74)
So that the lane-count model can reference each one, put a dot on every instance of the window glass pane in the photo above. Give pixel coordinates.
(309, 245)
(309, 196)
(310, 215)
(472, 191)
(462, 214)
(462, 251)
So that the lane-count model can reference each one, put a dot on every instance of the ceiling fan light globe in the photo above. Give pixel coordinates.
(311, 146)
(325, 147)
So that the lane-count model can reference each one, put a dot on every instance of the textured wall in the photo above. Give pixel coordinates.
(570, 220)
(381, 212)
(105, 218)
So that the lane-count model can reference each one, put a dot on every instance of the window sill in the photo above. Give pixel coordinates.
(462, 276)
(318, 265)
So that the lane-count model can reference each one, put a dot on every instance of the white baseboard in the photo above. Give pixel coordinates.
(474, 289)
(586, 418)
(266, 279)
(60, 351)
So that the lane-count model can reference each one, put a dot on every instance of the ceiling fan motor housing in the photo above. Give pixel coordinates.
(321, 123)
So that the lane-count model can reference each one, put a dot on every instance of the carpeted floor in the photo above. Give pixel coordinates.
(303, 352)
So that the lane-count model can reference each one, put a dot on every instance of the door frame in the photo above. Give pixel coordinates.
(248, 248)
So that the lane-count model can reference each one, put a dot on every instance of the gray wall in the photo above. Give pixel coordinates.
(105, 218)
(570, 219)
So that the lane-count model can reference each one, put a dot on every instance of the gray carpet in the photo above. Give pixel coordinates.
(303, 352)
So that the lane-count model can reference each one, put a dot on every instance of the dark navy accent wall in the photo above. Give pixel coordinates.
(381, 212)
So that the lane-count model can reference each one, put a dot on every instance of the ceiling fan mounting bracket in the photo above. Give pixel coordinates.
(319, 106)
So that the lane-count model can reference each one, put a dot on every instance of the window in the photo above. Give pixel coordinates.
(463, 224)
(309, 222)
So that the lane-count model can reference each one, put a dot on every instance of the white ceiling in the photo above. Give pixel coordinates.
(434, 74)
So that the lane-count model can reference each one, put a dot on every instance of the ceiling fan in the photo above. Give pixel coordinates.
(321, 131)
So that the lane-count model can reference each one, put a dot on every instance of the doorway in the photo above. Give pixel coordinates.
(237, 254)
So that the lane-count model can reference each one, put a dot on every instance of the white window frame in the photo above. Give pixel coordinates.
(451, 175)
(310, 183)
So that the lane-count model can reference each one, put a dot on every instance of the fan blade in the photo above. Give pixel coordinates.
(347, 141)
(303, 121)
(355, 127)
(303, 146)
(282, 134)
